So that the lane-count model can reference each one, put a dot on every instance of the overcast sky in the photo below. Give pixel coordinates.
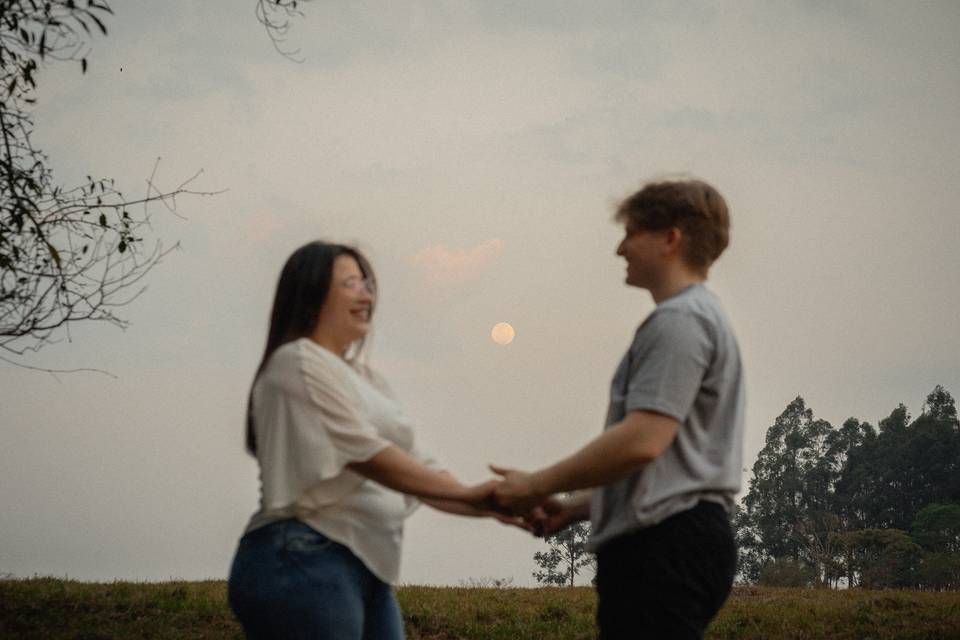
(475, 151)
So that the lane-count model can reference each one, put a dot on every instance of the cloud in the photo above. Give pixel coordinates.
(445, 269)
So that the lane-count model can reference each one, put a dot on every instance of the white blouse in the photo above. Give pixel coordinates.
(314, 414)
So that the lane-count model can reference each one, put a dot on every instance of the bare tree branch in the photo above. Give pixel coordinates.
(67, 253)
(275, 16)
(54, 372)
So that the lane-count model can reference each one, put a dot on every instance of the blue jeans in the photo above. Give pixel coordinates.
(289, 581)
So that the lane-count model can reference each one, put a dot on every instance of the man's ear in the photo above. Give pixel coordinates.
(674, 240)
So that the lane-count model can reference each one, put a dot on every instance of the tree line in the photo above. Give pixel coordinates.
(855, 505)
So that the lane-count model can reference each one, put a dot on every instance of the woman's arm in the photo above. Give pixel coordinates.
(458, 508)
(396, 469)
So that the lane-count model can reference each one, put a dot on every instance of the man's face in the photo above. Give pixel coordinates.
(644, 252)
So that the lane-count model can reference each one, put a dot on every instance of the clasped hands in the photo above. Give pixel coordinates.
(514, 499)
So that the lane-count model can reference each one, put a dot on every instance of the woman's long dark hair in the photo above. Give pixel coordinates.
(301, 291)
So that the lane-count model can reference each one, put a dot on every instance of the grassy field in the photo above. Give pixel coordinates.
(52, 608)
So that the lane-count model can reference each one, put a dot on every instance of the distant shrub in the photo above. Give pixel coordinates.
(786, 572)
(486, 582)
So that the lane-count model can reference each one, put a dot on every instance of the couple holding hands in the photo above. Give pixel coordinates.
(340, 470)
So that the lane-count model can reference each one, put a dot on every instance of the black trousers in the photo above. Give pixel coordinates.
(669, 580)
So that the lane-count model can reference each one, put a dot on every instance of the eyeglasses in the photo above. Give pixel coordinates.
(355, 283)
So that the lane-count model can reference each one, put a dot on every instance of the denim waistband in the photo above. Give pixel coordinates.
(279, 531)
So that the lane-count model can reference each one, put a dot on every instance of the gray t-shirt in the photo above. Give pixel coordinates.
(684, 363)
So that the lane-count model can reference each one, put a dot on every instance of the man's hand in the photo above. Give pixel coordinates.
(557, 512)
(516, 493)
(556, 517)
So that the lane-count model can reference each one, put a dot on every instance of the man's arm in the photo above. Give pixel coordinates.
(620, 451)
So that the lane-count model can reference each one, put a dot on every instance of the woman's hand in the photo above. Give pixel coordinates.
(456, 507)
(480, 496)
(513, 521)
(480, 501)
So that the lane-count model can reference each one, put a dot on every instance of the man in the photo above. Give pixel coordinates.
(665, 470)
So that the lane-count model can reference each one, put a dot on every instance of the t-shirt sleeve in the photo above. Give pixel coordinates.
(380, 384)
(339, 434)
(670, 356)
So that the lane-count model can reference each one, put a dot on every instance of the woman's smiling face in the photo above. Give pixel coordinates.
(346, 312)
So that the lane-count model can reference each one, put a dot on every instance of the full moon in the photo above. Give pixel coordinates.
(502, 333)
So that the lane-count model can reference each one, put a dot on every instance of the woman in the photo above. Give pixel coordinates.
(338, 467)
